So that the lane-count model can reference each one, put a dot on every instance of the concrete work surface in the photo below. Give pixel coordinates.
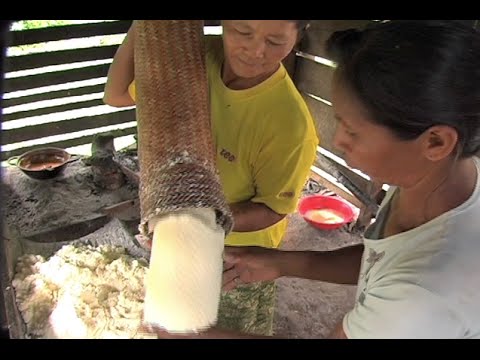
(305, 309)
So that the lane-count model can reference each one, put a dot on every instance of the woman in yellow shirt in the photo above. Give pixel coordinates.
(264, 136)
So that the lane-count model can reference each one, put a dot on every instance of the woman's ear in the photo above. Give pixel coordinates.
(439, 141)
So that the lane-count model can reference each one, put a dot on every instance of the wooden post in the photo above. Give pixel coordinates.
(106, 172)
(365, 217)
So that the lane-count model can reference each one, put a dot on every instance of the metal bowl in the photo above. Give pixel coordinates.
(43, 163)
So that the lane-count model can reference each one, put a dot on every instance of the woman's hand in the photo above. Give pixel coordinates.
(249, 264)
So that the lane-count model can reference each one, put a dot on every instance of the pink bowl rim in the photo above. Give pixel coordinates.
(348, 216)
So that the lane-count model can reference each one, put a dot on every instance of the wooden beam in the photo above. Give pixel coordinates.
(54, 33)
(357, 180)
(365, 216)
(32, 61)
(66, 126)
(327, 181)
(55, 78)
(53, 109)
(68, 143)
(50, 95)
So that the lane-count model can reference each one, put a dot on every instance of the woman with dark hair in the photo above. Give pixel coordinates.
(406, 95)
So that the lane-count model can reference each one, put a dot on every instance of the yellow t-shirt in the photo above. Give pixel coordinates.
(266, 141)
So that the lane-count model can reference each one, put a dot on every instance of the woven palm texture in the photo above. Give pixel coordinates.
(175, 144)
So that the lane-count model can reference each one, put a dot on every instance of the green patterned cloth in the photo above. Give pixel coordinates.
(248, 308)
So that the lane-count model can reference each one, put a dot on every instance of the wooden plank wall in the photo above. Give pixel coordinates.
(48, 120)
(50, 112)
(313, 77)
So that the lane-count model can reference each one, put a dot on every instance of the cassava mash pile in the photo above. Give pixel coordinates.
(81, 292)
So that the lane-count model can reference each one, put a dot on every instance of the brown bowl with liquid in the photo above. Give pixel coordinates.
(43, 163)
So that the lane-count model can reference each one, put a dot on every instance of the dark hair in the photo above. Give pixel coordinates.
(412, 75)
(302, 26)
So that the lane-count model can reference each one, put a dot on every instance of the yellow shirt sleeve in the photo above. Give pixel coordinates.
(132, 90)
(279, 179)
